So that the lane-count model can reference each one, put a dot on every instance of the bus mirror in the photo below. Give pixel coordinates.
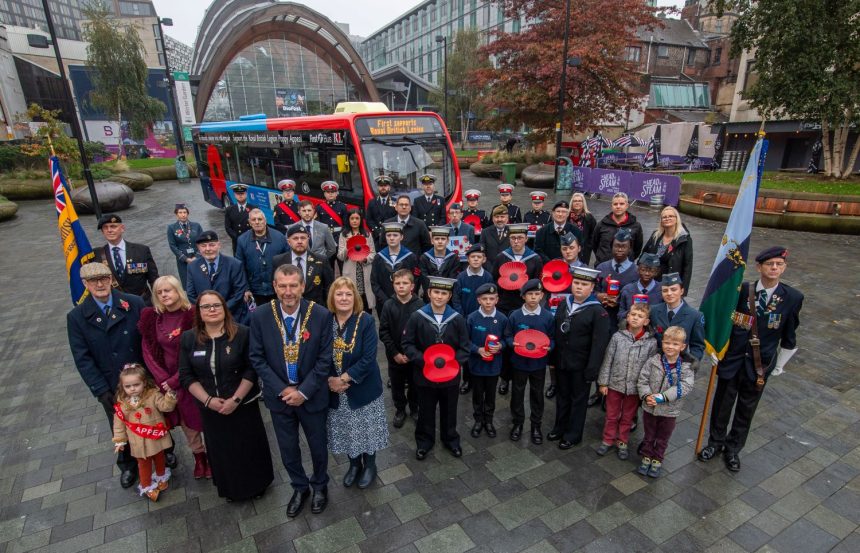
(342, 163)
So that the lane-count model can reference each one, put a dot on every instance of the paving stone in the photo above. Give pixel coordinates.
(448, 540)
(565, 515)
(507, 467)
(331, 538)
(125, 512)
(831, 522)
(77, 543)
(245, 546)
(409, 507)
(733, 514)
(377, 520)
(11, 529)
(851, 544)
(542, 546)
(522, 537)
(135, 543)
(521, 509)
(574, 537)
(783, 482)
(71, 529)
(480, 501)
(804, 536)
(623, 539)
(749, 536)
(87, 506)
(725, 545)
(381, 495)
(611, 517)
(42, 490)
(629, 483)
(663, 522)
(395, 473)
(450, 469)
(795, 504)
(704, 533)
(30, 542)
(770, 522)
(544, 473)
(758, 498)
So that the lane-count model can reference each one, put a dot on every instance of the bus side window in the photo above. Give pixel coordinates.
(202, 160)
(230, 163)
(245, 163)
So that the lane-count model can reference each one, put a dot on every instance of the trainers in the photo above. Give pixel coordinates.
(603, 449)
(645, 466)
(623, 454)
(656, 468)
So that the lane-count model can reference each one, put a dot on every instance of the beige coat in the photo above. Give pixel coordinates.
(151, 406)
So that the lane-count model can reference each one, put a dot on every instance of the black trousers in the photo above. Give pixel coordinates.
(124, 460)
(313, 425)
(535, 381)
(571, 404)
(425, 430)
(738, 392)
(484, 397)
(402, 386)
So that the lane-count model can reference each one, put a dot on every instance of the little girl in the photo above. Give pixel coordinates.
(138, 422)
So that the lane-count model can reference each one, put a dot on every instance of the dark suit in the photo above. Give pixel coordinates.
(378, 212)
(736, 383)
(464, 229)
(493, 245)
(183, 244)
(229, 281)
(416, 235)
(318, 275)
(102, 345)
(236, 222)
(314, 365)
(139, 273)
(688, 318)
(548, 240)
(432, 212)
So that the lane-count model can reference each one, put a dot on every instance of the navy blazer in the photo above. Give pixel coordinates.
(360, 364)
(260, 266)
(181, 242)
(101, 346)
(140, 270)
(688, 318)
(465, 229)
(229, 281)
(314, 363)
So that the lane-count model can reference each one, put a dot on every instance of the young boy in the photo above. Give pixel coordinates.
(485, 361)
(515, 214)
(531, 316)
(663, 384)
(436, 323)
(465, 301)
(618, 268)
(392, 321)
(389, 260)
(472, 215)
(439, 260)
(569, 254)
(648, 284)
(627, 353)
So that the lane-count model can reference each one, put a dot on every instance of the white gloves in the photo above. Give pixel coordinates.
(782, 357)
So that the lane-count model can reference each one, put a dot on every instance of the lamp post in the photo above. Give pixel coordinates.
(177, 127)
(443, 40)
(573, 62)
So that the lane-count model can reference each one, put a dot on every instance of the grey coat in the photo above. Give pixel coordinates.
(623, 361)
(652, 380)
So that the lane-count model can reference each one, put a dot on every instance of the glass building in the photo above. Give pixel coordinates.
(67, 14)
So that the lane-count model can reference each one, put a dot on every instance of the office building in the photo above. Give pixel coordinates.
(67, 14)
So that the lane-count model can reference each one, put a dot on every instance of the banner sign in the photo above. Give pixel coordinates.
(638, 186)
(184, 100)
(290, 102)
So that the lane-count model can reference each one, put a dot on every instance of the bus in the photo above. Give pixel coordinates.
(351, 149)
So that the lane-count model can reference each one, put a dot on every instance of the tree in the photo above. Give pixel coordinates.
(523, 85)
(464, 59)
(115, 54)
(807, 57)
(49, 134)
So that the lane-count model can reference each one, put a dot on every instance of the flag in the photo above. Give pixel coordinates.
(727, 274)
(76, 245)
(719, 147)
(693, 147)
(627, 140)
(650, 160)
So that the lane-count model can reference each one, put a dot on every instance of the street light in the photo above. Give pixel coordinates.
(181, 164)
(443, 40)
(573, 62)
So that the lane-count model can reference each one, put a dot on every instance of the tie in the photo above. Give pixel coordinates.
(618, 268)
(107, 310)
(501, 232)
(292, 369)
(644, 291)
(117, 262)
(761, 303)
(559, 230)
(211, 271)
(457, 231)
(671, 315)
(310, 238)
(300, 266)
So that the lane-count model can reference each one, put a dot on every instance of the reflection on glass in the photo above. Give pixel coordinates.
(405, 160)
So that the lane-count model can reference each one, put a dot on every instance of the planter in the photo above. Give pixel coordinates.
(540, 175)
(492, 170)
(7, 209)
(135, 180)
(113, 196)
(26, 189)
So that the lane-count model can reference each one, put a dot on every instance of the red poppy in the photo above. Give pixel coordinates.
(554, 301)
(357, 248)
(147, 410)
(473, 220)
(512, 275)
(123, 304)
(440, 363)
(556, 276)
(137, 415)
(416, 271)
(306, 335)
(531, 343)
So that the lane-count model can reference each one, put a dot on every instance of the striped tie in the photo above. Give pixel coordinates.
(761, 303)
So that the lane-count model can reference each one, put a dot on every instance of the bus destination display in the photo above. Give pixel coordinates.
(397, 126)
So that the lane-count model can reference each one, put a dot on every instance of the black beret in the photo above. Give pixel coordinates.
(623, 235)
(476, 248)
(207, 236)
(486, 288)
(109, 218)
(295, 229)
(559, 204)
(770, 253)
(530, 286)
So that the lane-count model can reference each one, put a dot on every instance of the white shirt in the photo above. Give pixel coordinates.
(491, 315)
(759, 287)
(526, 312)
(121, 247)
(303, 257)
(479, 273)
(403, 221)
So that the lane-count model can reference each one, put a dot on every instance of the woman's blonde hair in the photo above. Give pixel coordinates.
(345, 282)
(580, 196)
(679, 228)
(170, 280)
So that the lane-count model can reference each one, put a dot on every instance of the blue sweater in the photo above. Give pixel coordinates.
(464, 300)
(479, 327)
(625, 299)
(517, 321)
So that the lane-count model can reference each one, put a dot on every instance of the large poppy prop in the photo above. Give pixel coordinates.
(440, 363)
(640, 298)
(473, 220)
(357, 249)
(556, 276)
(531, 343)
(513, 275)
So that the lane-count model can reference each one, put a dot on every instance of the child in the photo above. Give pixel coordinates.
(439, 260)
(388, 260)
(528, 370)
(139, 424)
(663, 384)
(392, 320)
(648, 285)
(485, 361)
(627, 353)
(464, 300)
(569, 254)
(619, 268)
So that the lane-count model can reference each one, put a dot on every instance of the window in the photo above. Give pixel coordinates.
(687, 95)
(633, 53)
(133, 8)
(662, 51)
(718, 53)
(751, 76)
(691, 56)
(718, 27)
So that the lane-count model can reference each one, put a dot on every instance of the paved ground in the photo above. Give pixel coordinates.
(799, 489)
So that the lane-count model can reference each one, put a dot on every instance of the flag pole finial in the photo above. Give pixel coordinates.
(761, 133)
(51, 144)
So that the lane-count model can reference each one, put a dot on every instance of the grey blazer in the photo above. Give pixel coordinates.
(323, 245)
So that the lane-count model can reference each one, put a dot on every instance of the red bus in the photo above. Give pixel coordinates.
(349, 148)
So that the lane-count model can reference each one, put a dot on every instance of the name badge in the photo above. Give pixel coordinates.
(190, 251)
(199, 354)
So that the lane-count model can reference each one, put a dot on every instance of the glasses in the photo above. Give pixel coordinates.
(774, 264)
(100, 279)
(668, 217)
(211, 307)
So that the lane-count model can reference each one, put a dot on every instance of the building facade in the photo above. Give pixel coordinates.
(67, 14)
(179, 54)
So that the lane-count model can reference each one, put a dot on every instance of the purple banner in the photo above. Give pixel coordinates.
(638, 186)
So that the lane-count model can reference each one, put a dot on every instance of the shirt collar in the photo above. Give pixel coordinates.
(102, 305)
(403, 220)
(491, 315)
(535, 312)
(648, 288)
(759, 287)
(675, 311)
(479, 273)
(121, 245)
(624, 264)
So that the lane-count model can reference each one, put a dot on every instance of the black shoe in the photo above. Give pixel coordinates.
(503, 388)
(537, 436)
(127, 478)
(553, 435)
(564, 444)
(352, 473)
(368, 475)
(594, 399)
(388, 383)
(465, 388)
(490, 429)
(399, 418)
(456, 452)
(708, 452)
(170, 460)
(319, 501)
(733, 462)
(550, 391)
(294, 507)
(421, 454)
(516, 432)
(476, 430)
(413, 414)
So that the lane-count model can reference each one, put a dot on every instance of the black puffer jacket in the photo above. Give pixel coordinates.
(678, 257)
(605, 232)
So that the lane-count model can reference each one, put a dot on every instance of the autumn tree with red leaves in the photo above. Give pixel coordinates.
(524, 83)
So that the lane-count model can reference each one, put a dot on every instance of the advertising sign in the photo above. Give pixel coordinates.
(290, 102)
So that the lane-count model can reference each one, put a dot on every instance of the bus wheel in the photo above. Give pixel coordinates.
(225, 199)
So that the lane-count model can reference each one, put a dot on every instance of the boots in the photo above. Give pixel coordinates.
(352, 473)
(368, 475)
(200, 465)
(207, 470)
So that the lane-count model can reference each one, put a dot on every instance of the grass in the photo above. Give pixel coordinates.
(146, 163)
(773, 180)
(466, 153)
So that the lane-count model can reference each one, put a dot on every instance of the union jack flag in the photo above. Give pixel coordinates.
(76, 245)
(627, 140)
(650, 161)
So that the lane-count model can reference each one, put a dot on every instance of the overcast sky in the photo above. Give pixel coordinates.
(363, 16)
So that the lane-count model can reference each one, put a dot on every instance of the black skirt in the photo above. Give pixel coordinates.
(238, 451)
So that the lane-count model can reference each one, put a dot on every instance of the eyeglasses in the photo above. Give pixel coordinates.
(668, 217)
(774, 263)
(211, 307)
(100, 279)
